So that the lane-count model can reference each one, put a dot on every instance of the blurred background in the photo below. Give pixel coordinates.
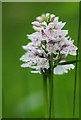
(23, 91)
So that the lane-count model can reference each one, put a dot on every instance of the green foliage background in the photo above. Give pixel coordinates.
(22, 90)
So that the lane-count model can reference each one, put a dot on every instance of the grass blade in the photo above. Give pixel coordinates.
(76, 64)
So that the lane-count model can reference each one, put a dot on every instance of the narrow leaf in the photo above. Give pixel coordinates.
(68, 62)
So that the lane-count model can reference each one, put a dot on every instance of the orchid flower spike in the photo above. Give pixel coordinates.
(48, 42)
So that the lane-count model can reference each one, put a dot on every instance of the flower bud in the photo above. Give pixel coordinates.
(36, 23)
(43, 17)
(39, 19)
(52, 18)
(47, 14)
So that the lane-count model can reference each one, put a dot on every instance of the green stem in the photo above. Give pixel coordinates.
(45, 91)
(51, 97)
(51, 100)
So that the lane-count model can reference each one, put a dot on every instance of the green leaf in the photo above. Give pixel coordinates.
(68, 62)
(45, 50)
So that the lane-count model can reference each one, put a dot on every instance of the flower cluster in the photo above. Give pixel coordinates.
(48, 42)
